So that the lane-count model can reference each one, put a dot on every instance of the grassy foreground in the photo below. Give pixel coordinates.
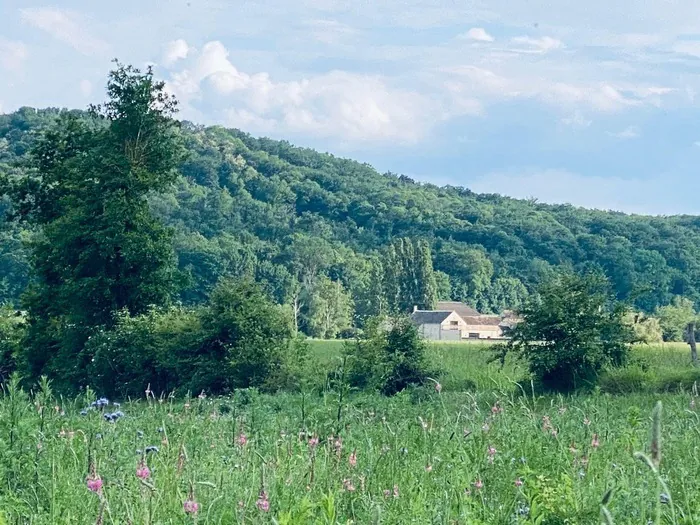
(487, 455)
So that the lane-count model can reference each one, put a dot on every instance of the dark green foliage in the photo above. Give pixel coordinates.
(263, 208)
(570, 331)
(98, 248)
(247, 341)
(390, 358)
(147, 350)
(12, 324)
(404, 358)
(239, 340)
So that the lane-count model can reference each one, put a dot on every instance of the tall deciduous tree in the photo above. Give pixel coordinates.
(100, 249)
(409, 278)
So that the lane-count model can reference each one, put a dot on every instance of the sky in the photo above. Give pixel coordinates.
(593, 103)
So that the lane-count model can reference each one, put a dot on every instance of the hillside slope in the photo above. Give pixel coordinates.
(282, 214)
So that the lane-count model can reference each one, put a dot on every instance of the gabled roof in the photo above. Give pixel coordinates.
(483, 320)
(430, 316)
(461, 308)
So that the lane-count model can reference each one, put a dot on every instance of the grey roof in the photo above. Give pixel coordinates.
(461, 308)
(430, 316)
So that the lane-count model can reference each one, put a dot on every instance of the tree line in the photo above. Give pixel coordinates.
(121, 214)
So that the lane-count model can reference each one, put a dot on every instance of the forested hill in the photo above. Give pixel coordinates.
(295, 218)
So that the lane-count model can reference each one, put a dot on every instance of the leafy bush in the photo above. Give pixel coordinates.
(570, 331)
(142, 350)
(240, 340)
(389, 358)
(247, 341)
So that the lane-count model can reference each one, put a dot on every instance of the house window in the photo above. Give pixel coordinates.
(454, 323)
(473, 335)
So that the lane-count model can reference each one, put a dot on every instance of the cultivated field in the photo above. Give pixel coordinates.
(483, 450)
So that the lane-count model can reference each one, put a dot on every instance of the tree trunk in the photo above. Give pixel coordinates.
(691, 342)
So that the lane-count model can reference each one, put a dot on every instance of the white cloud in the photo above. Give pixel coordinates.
(67, 26)
(346, 106)
(651, 195)
(600, 96)
(535, 45)
(12, 54)
(630, 132)
(478, 34)
(174, 51)
(85, 88)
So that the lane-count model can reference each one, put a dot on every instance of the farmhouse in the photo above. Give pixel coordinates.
(439, 325)
(453, 321)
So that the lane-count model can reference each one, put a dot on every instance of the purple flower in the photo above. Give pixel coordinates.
(190, 506)
(263, 503)
(94, 484)
(143, 472)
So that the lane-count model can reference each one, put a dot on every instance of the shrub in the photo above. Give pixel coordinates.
(570, 331)
(389, 360)
(247, 341)
(239, 340)
(142, 350)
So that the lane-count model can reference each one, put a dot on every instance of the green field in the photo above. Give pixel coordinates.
(483, 450)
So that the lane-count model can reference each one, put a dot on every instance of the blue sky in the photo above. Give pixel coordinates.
(594, 103)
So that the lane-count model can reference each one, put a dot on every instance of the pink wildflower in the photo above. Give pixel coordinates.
(496, 408)
(438, 387)
(479, 484)
(94, 484)
(143, 472)
(396, 491)
(313, 442)
(595, 443)
(353, 459)
(190, 506)
(242, 440)
(338, 445)
(263, 503)
(347, 485)
(519, 482)
(492, 451)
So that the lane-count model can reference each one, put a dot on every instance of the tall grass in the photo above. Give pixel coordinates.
(477, 452)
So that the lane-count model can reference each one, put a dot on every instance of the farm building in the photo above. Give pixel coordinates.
(483, 327)
(439, 325)
(453, 321)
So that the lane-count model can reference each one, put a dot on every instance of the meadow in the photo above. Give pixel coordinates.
(483, 448)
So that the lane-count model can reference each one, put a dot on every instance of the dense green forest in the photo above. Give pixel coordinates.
(320, 232)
